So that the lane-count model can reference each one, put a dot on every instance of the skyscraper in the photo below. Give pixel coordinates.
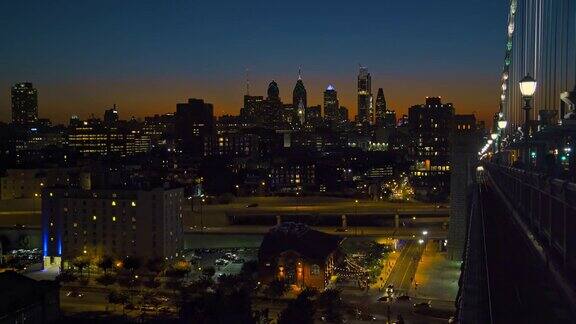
(193, 121)
(273, 91)
(430, 126)
(365, 107)
(299, 100)
(252, 107)
(331, 104)
(24, 103)
(273, 108)
(299, 93)
(111, 116)
(380, 107)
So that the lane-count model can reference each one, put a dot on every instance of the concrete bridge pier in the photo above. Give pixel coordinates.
(396, 220)
(344, 222)
(278, 219)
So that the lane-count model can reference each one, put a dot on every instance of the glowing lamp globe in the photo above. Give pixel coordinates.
(494, 136)
(502, 124)
(490, 142)
(528, 86)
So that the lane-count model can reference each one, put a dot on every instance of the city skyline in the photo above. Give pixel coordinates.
(160, 66)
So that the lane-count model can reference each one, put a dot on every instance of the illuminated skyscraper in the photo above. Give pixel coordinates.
(380, 107)
(365, 107)
(299, 93)
(331, 104)
(111, 116)
(24, 103)
(299, 100)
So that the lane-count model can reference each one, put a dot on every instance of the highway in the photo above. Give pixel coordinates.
(404, 270)
(521, 287)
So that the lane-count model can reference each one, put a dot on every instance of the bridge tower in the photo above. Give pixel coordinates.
(464, 144)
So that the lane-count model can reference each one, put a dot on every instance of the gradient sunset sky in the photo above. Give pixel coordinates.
(145, 56)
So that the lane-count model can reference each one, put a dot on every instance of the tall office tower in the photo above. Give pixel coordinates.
(365, 107)
(111, 116)
(380, 107)
(273, 110)
(331, 104)
(430, 126)
(193, 121)
(273, 91)
(24, 103)
(464, 143)
(252, 108)
(301, 112)
(299, 93)
(343, 114)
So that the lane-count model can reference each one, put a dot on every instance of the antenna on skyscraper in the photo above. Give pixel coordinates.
(300, 72)
(247, 82)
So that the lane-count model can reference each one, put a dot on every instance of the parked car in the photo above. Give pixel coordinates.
(422, 307)
(74, 294)
(403, 298)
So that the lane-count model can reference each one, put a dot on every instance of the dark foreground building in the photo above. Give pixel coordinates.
(299, 255)
(24, 300)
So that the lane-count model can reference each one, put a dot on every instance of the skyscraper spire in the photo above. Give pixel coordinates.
(300, 72)
(247, 82)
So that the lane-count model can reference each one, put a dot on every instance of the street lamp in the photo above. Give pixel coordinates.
(502, 124)
(494, 136)
(527, 88)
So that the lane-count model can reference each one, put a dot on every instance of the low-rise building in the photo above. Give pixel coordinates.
(298, 255)
(25, 300)
(144, 223)
(28, 183)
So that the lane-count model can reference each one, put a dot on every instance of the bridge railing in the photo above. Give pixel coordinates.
(547, 206)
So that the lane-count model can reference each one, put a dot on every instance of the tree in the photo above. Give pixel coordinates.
(118, 298)
(208, 272)
(155, 265)
(81, 263)
(301, 310)
(249, 268)
(331, 304)
(219, 307)
(132, 264)
(66, 276)
(105, 263)
(152, 283)
(106, 280)
(277, 288)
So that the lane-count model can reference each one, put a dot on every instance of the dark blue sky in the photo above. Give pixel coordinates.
(147, 55)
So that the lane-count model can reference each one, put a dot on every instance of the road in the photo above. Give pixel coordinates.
(404, 270)
(522, 289)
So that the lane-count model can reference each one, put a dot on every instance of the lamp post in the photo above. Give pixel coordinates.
(527, 88)
(494, 137)
(501, 126)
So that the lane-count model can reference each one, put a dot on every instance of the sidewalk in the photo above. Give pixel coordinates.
(388, 265)
(436, 276)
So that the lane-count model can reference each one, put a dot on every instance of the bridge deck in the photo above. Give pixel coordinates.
(522, 290)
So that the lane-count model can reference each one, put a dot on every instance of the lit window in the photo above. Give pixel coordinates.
(113, 218)
(94, 217)
(315, 270)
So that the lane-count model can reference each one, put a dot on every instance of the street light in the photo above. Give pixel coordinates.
(502, 124)
(494, 136)
(527, 88)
